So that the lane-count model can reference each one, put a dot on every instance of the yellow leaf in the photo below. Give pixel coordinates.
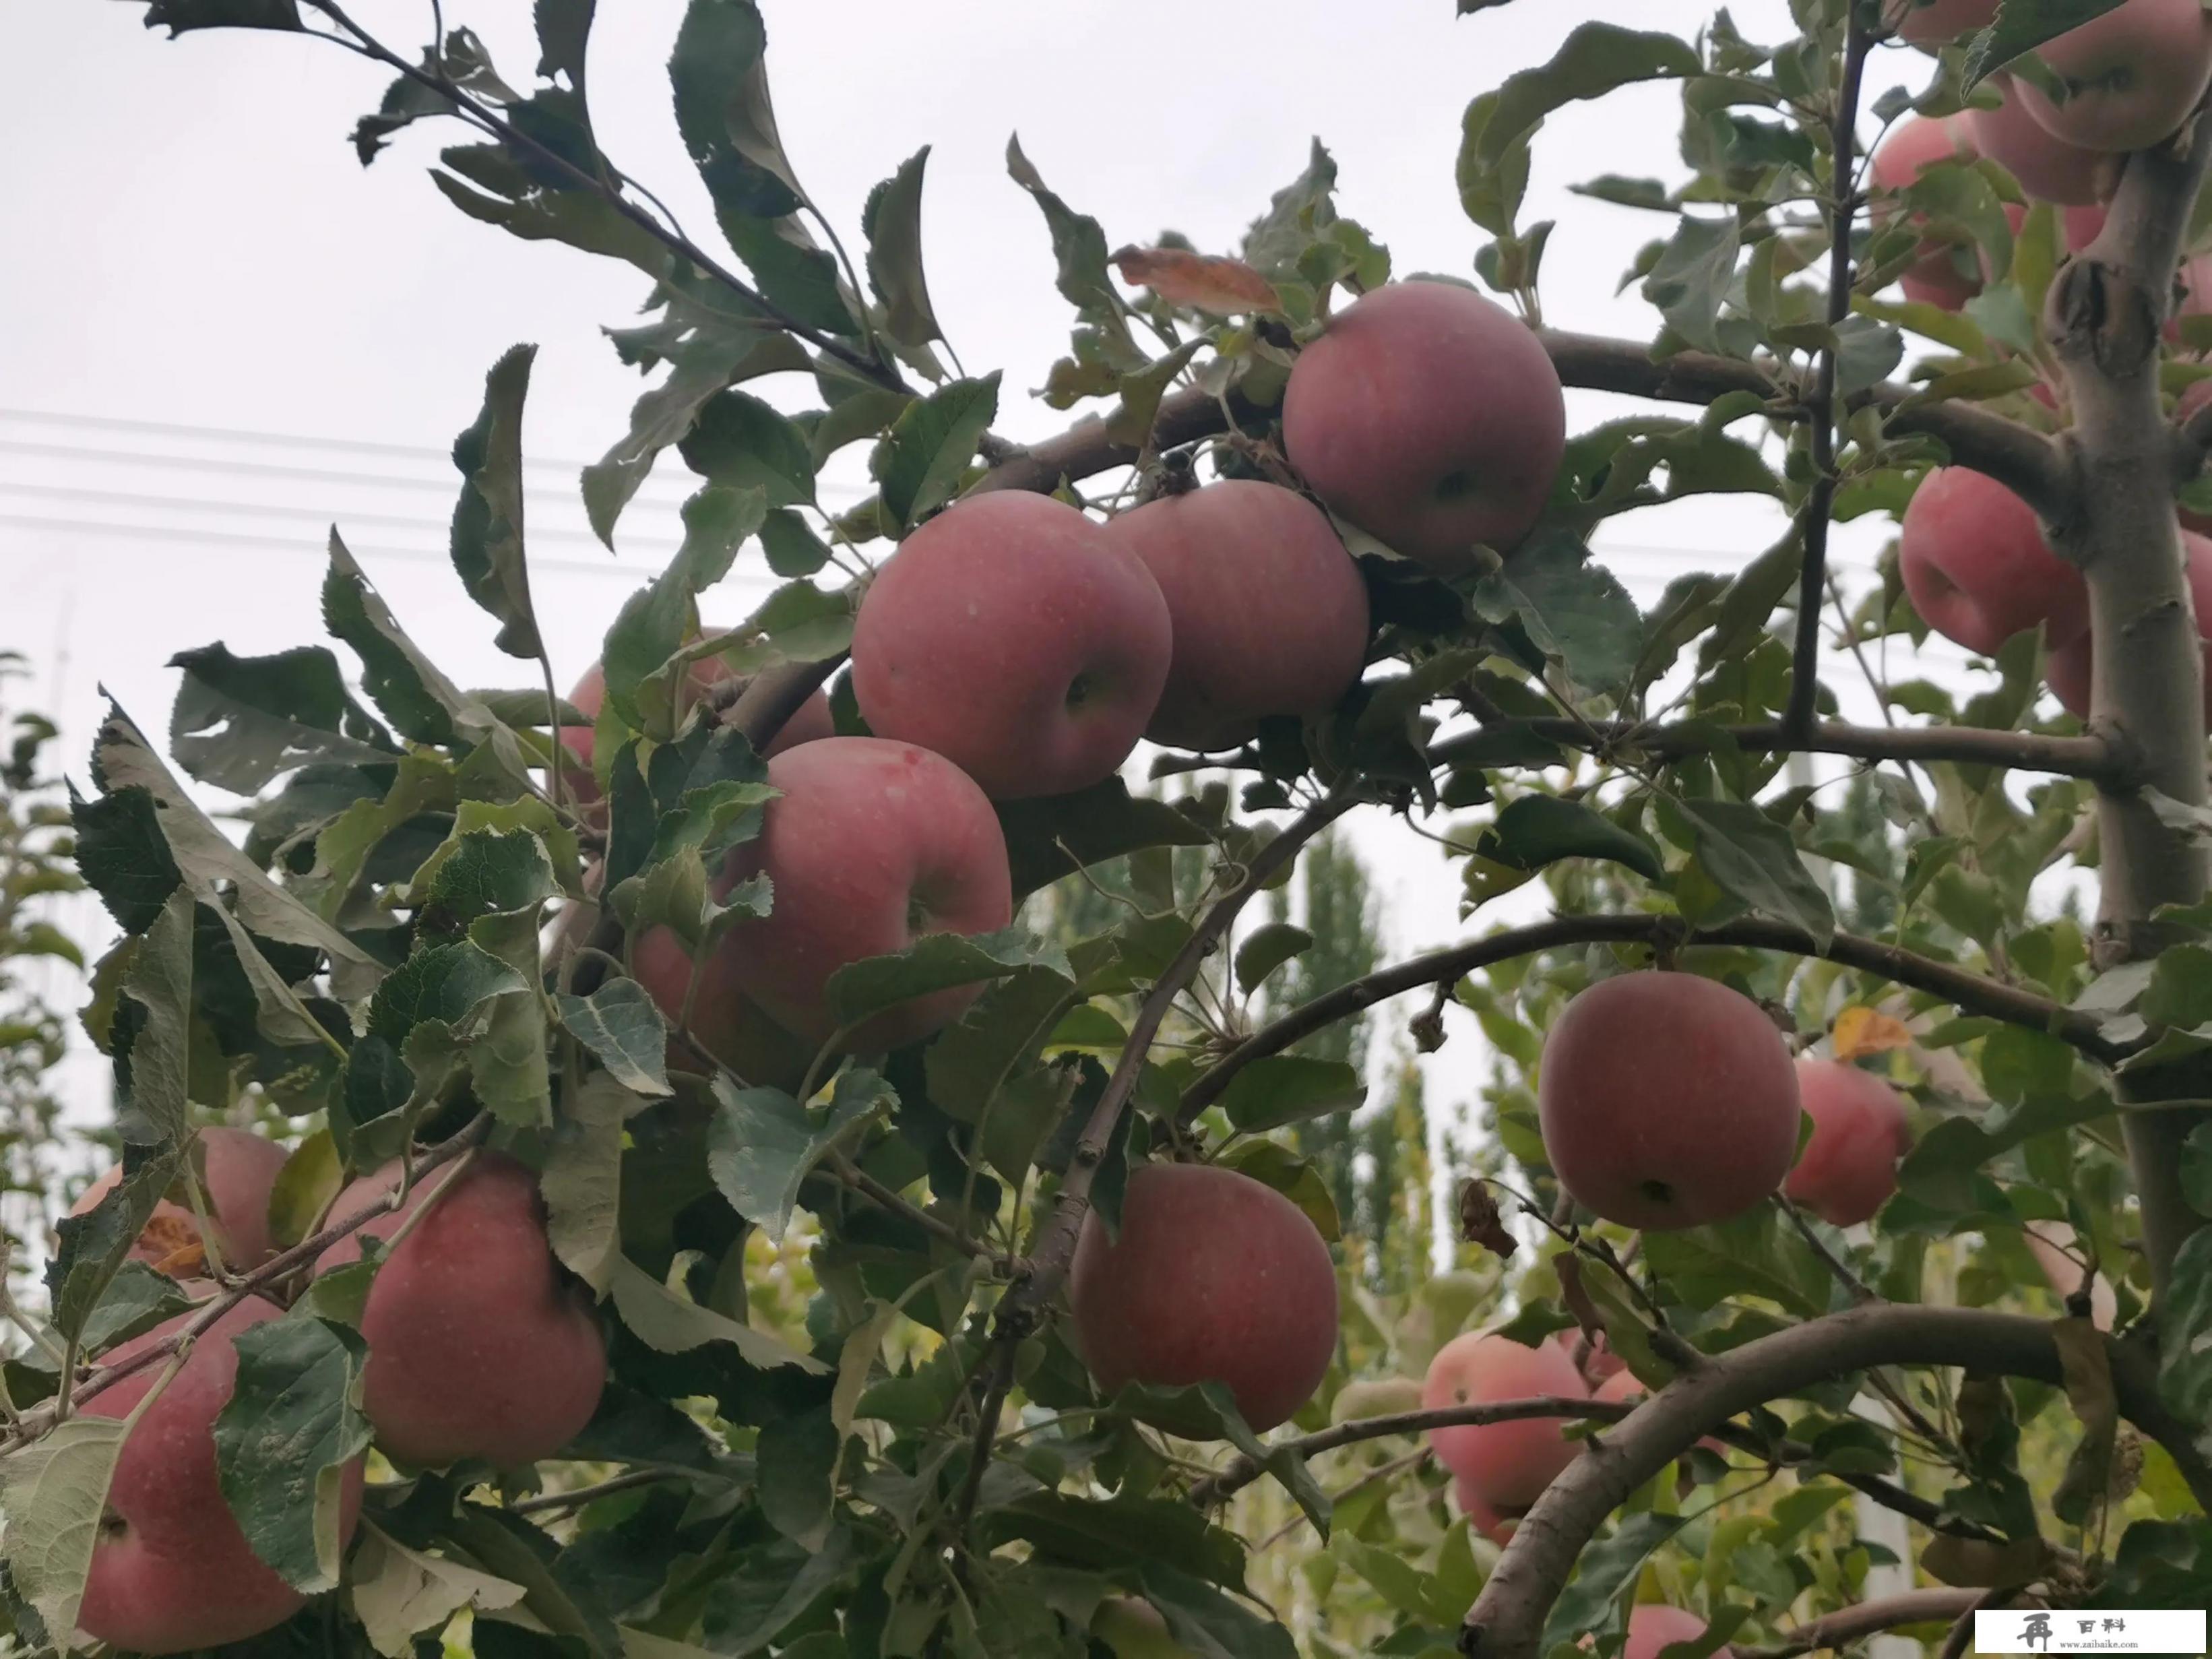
(1867, 1031)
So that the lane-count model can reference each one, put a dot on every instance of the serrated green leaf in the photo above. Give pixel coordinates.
(53, 1493)
(1277, 1090)
(283, 1442)
(1537, 830)
(623, 1028)
(936, 961)
(764, 1144)
(670, 1323)
(1752, 857)
(1573, 610)
(892, 221)
(740, 443)
(1267, 949)
(918, 463)
(241, 722)
(581, 1182)
(488, 520)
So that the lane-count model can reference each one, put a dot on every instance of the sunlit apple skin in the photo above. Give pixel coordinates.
(2047, 167)
(1667, 1101)
(1653, 1627)
(174, 1571)
(1015, 637)
(2069, 668)
(1430, 418)
(812, 719)
(1481, 1515)
(1506, 1465)
(2133, 75)
(477, 1346)
(1214, 1279)
(1270, 615)
(1973, 557)
(871, 845)
(1943, 275)
(1938, 22)
(242, 1168)
(1848, 1169)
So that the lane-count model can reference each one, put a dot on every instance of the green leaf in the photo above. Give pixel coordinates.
(1116, 1533)
(418, 699)
(90, 1249)
(1078, 245)
(1279, 1090)
(669, 1323)
(796, 1455)
(740, 443)
(2022, 26)
(445, 985)
(179, 16)
(487, 540)
(2184, 1365)
(160, 981)
(581, 1182)
(1692, 276)
(1605, 1570)
(622, 1027)
(1296, 214)
(655, 622)
(1573, 610)
(1754, 1254)
(918, 463)
(54, 1492)
(1594, 60)
(241, 722)
(481, 872)
(793, 548)
(969, 1062)
(892, 221)
(936, 961)
(1537, 830)
(1752, 857)
(1206, 1622)
(762, 1143)
(284, 1440)
(313, 1175)
(397, 1593)
(1053, 836)
(1267, 949)
(1298, 1179)
(135, 1300)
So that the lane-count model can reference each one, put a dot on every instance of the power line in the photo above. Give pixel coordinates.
(282, 544)
(259, 509)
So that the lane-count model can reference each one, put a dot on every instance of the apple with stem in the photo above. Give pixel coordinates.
(1430, 418)
(1012, 635)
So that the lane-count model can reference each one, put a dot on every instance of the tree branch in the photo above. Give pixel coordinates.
(1848, 1625)
(2028, 751)
(1507, 1619)
(2104, 315)
(1842, 207)
(1956, 985)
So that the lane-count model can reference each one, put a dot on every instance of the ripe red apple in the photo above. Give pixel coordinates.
(2069, 668)
(1653, 1627)
(871, 845)
(172, 1571)
(1270, 615)
(2048, 167)
(476, 1347)
(1667, 1101)
(1481, 1517)
(811, 721)
(1945, 274)
(1506, 1465)
(1016, 638)
(1933, 23)
(2132, 76)
(1214, 1279)
(242, 1168)
(1848, 1168)
(1430, 418)
(1975, 561)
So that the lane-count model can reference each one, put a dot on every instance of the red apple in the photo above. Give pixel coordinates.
(1019, 640)
(2193, 397)
(1848, 1168)
(1974, 559)
(1481, 1517)
(1270, 615)
(1600, 1364)
(1933, 23)
(811, 721)
(1667, 1101)
(872, 845)
(477, 1347)
(2048, 167)
(2132, 76)
(1506, 1465)
(1945, 274)
(1430, 418)
(1214, 1279)
(242, 1168)
(172, 1571)
(1654, 1627)
(2069, 668)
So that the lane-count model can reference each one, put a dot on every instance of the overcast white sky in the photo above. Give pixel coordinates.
(190, 242)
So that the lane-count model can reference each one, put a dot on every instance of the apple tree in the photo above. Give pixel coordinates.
(715, 1214)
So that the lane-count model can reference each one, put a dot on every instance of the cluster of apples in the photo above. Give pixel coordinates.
(1668, 1101)
(1014, 647)
(477, 1349)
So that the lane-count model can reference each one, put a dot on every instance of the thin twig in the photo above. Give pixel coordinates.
(582, 1495)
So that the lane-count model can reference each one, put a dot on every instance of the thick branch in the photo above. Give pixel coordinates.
(2105, 313)
(2027, 752)
(1849, 1625)
(1507, 1619)
(1958, 986)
